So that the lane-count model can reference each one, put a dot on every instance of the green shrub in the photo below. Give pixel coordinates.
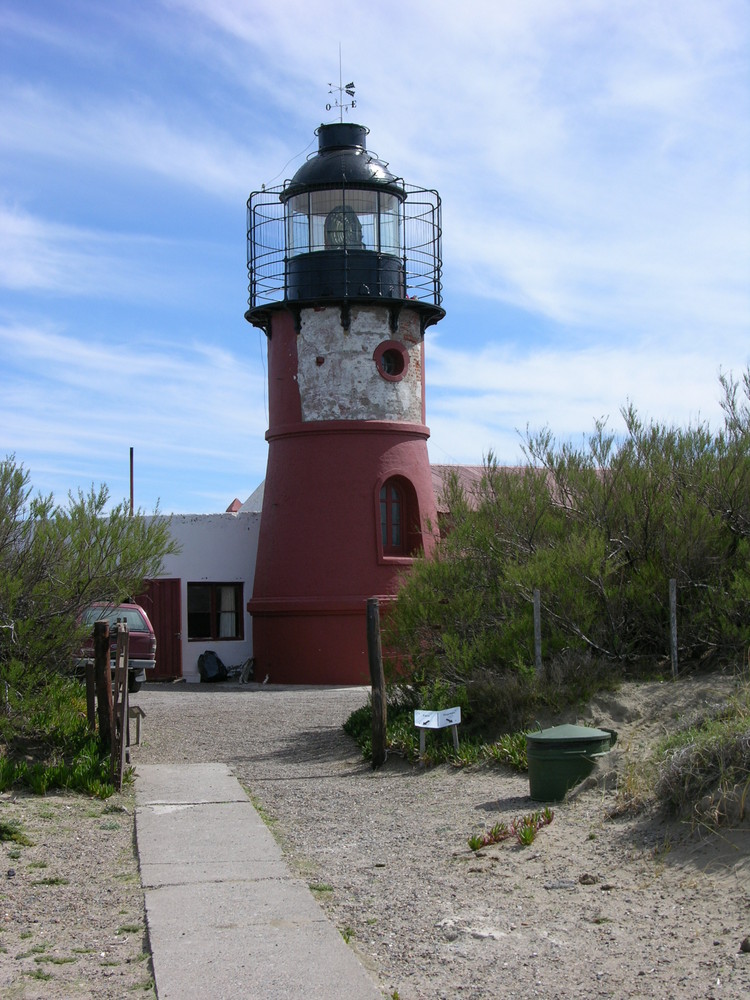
(599, 530)
(55, 559)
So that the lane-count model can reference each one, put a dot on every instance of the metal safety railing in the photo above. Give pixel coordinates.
(268, 253)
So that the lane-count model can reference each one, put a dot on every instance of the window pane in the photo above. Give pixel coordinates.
(391, 518)
(131, 616)
(323, 204)
(133, 619)
(199, 611)
(227, 616)
(389, 224)
(395, 517)
(298, 225)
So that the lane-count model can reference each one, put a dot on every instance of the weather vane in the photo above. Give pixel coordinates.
(341, 89)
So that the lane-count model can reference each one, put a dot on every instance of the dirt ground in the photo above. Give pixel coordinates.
(71, 905)
(595, 907)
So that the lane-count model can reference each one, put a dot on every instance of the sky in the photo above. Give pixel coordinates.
(592, 157)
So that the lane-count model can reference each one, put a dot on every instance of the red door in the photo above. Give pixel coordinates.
(161, 601)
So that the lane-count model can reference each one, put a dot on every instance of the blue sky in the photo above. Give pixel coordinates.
(592, 157)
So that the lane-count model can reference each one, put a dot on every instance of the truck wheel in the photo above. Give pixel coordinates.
(133, 684)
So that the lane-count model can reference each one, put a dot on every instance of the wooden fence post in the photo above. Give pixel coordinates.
(103, 685)
(120, 741)
(91, 695)
(377, 678)
(537, 632)
(673, 625)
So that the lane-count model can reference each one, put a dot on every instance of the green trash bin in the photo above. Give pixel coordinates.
(561, 757)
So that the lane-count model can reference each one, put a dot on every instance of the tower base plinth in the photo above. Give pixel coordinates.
(306, 642)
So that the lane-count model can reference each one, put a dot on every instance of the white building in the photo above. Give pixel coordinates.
(200, 600)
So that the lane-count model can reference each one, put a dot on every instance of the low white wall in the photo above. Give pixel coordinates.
(215, 548)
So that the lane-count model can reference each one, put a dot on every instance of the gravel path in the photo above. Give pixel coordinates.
(594, 908)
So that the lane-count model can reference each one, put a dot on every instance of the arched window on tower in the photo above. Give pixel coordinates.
(400, 534)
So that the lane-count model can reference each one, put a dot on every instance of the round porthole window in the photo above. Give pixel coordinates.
(392, 360)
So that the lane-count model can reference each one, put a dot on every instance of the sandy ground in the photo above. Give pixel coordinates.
(71, 905)
(595, 907)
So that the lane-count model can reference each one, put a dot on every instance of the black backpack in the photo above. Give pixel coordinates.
(211, 668)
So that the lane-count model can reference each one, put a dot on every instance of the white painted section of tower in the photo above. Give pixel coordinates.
(337, 376)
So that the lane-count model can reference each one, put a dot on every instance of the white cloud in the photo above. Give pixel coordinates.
(41, 255)
(191, 410)
(481, 401)
(37, 255)
(126, 136)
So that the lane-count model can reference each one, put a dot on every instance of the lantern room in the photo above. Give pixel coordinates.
(344, 222)
(344, 228)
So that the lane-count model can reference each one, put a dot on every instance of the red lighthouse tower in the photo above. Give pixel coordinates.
(344, 265)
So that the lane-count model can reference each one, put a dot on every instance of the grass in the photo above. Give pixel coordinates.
(85, 770)
(700, 771)
(703, 769)
(268, 818)
(37, 949)
(147, 984)
(10, 831)
(403, 738)
(46, 740)
(39, 974)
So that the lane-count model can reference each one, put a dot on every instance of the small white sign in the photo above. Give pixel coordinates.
(437, 720)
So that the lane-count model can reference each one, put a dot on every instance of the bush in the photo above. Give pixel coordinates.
(54, 561)
(599, 530)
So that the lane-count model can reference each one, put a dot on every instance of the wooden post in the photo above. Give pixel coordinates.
(537, 632)
(377, 678)
(673, 625)
(103, 685)
(91, 695)
(120, 735)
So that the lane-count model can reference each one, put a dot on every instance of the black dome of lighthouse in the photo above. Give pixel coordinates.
(342, 157)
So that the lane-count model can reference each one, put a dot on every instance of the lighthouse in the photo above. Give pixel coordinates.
(344, 279)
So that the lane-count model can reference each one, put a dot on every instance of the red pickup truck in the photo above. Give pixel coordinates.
(141, 644)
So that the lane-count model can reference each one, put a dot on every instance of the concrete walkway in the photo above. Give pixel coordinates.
(225, 916)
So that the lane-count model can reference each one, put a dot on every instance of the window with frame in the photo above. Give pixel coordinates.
(392, 518)
(400, 534)
(215, 611)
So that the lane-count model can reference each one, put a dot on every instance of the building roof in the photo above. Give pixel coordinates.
(469, 478)
(254, 502)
